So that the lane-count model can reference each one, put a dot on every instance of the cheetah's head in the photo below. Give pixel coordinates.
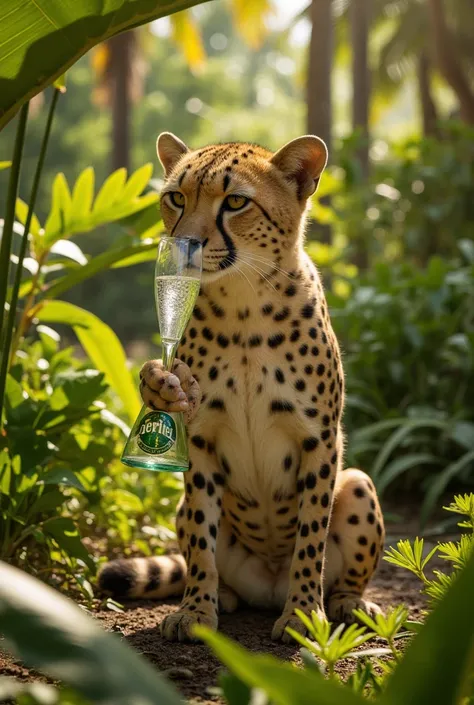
(247, 205)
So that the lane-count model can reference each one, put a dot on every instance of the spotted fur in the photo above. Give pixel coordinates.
(268, 515)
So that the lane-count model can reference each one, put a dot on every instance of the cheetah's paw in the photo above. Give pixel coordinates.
(279, 632)
(340, 608)
(179, 626)
(170, 391)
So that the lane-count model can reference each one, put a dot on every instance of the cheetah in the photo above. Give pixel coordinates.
(268, 516)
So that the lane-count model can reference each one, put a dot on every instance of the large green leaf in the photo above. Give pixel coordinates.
(66, 535)
(124, 256)
(40, 39)
(77, 212)
(439, 484)
(50, 633)
(101, 344)
(397, 438)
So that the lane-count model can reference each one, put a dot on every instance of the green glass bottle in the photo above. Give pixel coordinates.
(158, 439)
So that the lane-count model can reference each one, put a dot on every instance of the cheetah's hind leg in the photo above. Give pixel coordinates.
(354, 546)
(228, 599)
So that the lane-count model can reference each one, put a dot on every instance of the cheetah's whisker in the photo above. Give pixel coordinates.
(239, 271)
(265, 260)
(259, 271)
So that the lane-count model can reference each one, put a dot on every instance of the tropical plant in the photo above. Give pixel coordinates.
(58, 439)
(409, 342)
(324, 648)
(58, 432)
(55, 264)
(41, 40)
(434, 667)
(409, 555)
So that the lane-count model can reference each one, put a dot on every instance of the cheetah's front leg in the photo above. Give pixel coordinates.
(179, 391)
(204, 489)
(316, 478)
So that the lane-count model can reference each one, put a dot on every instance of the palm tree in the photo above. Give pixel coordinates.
(448, 55)
(407, 49)
(429, 112)
(426, 38)
(119, 73)
(321, 49)
(318, 86)
(359, 15)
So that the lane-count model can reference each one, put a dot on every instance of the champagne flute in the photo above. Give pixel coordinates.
(158, 439)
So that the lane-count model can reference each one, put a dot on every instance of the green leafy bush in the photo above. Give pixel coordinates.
(60, 474)
(458, 553)
(419, 201)
(407, 336)
(60, 439)
(58, 433)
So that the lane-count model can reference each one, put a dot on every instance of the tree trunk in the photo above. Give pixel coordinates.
(429, 112)
(120, 70)
(448, 62)
(319, 117)
(321, 47)
(359, 13)
(360, 21)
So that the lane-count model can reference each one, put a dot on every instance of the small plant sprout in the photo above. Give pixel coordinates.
(387, 626)
(331, 648)
(463, 504)
(458, 553)
(410, 556)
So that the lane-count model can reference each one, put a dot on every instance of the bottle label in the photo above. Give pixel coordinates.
(157, 433)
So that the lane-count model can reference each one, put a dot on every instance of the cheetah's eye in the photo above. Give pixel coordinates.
(177, 198)
(235, 203)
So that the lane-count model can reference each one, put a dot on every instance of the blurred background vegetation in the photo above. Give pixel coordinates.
(389, 84)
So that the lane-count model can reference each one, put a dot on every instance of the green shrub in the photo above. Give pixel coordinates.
(60, 439)
(419, 201)
(410, 555)
(61, 475)
(58, 432)
(407, 336)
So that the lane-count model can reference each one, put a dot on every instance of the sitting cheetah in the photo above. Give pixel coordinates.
(268, 516)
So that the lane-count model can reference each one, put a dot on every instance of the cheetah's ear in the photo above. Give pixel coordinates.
(170, 149)
(302, 160)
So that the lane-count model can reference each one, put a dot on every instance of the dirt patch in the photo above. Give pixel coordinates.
(191, 666)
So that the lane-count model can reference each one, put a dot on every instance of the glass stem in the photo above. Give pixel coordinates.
(169, 353)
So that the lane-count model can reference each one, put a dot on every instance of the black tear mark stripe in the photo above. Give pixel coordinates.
(226, 182)
(231, 256)
(177, 222)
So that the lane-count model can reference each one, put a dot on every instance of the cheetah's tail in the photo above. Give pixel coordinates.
(156, 577)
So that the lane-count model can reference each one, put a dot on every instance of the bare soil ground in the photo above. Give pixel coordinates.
(192, 667)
